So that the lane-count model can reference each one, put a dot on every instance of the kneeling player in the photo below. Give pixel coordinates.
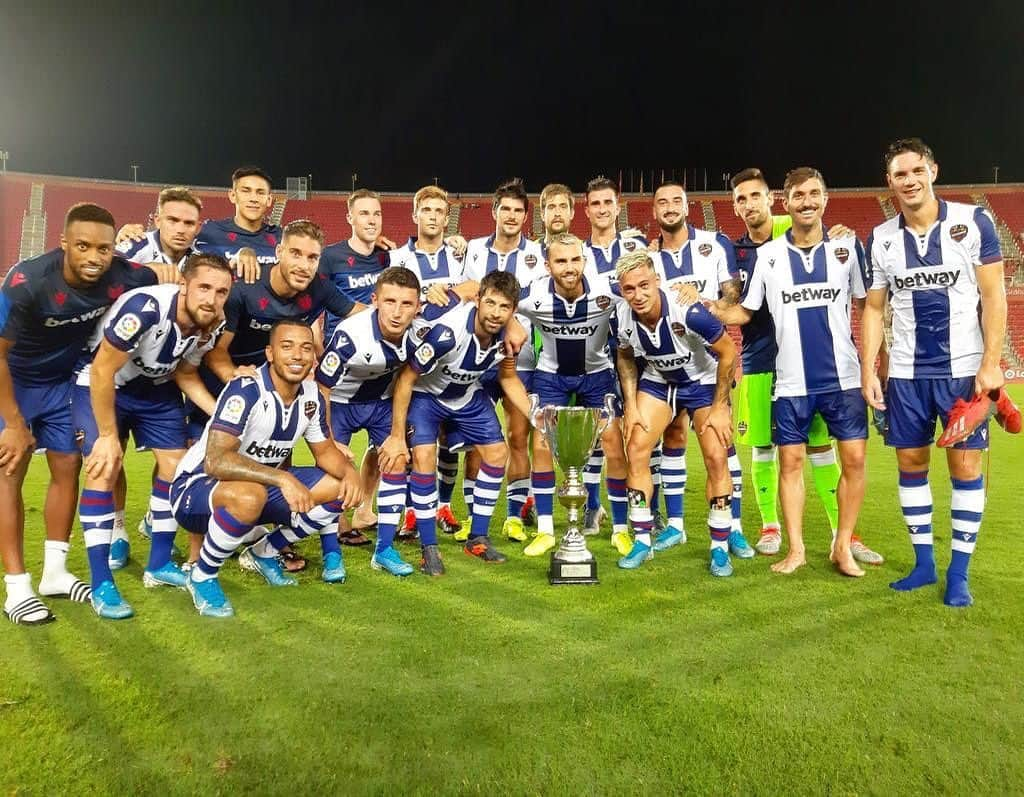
(231, 479)
(441, 388)
(681, 380)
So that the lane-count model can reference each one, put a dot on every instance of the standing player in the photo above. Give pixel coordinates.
(681, 381)
(602, 250)
(246, 239)
(509, 251)
(807, 280)
(49, 306)
(176, 227)
(233, 478)
(358, 372)
(752, 203)
(572, 314)
(689, 255)
(148, 339)
(936, 261)
(440, 387)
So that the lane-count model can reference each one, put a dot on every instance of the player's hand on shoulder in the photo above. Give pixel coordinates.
(105, 460)
(130, 232)
(298, 496)
(686, 293)
(244, 370)
(840, 231)
(384, 243)
(437, 294)
(166, 273)
(16, 441)
(458, 245)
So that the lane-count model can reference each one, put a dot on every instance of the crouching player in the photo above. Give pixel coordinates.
(358, 372)
(147, 340)
(231, 479)
(681, 380)
(440, 388)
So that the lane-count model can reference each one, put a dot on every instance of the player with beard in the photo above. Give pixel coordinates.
(752, 203)
(234, 476)
(808, 281)
(49, 306)
(144, 352)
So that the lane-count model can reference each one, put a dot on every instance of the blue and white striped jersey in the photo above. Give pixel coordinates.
(675, 350)
(526, 262)
(359, 364)
(707, 259)
(142, 323)
(574, 334)
(432, 268)
(601, 260)
(809, 296)
(933, 290)
(148, 250)
(250, 409)
(449, 357)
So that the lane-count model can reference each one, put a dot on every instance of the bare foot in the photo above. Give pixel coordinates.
(846, 564)
(793, 560)
(363, 518)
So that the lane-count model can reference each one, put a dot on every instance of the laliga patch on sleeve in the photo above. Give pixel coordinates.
(424, 353)
(330, 363)
(233, 410)
(127, 326)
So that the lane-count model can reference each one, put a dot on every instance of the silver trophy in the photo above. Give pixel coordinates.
(571, 434)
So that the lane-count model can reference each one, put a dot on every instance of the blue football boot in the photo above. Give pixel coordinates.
(208, 597)
(739, 547)
(720, 564)
(669, 538)
(390, 561)
(637, 555)
(267, 566)
(108, 603)
(118, 556)
(334, 568)
(168, 575)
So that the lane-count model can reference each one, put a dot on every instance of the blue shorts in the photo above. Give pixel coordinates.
(192, 499)
(489, 382)
(689, 398)
(588, 390)
(155, 421)
(915, 404)
(476, 424)
(47, 413)
(844, 411)
(373, 416)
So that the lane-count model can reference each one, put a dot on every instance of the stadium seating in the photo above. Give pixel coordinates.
(476, 220)
(1010, 208)
(127, 202)
(861, 213)
(14, 194)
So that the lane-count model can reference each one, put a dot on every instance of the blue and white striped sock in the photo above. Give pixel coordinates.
(673, 477)
(164, 525)
(736, 472)
(592, 478)
(485, 496)
(96, 513)
(423, 487)
(224, 534)
(516, 493)
(390, 503)
(543, 483)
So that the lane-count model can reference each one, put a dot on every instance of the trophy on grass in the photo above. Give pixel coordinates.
(571, 434)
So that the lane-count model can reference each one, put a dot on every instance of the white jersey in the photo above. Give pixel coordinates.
(359, 364)
(148, 250)
(251, 409)
(808, 295)
(707, 259)
(675, 350)
(432, 268)
(574, 334)
(526, 261)
(142, 323)
(449, 357)
(933, 290)
(601, 260)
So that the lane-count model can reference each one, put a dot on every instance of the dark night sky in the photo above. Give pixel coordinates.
(473, 93)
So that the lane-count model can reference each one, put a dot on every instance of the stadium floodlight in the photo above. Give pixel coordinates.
(995, 174)
(4, 155)
(135, 172)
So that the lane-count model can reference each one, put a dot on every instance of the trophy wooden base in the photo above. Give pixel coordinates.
(564, 572)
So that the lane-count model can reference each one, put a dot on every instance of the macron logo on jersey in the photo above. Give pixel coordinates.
(812, 297)
(924, 279)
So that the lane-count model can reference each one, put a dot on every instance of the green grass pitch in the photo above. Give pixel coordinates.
(658, 681)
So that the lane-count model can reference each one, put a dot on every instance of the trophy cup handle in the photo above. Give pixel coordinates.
(536, 416)
(607, 413)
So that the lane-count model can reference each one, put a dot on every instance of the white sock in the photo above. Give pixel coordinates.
(546, 525)
(55, 559)
(119, 530)
(19, 588)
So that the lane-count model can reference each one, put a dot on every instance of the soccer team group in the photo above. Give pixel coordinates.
(218, 345)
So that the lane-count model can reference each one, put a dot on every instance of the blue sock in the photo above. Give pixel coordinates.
(617, 498)
(516, 493)
(424, 502)
(916, 503)
(968, 504)
(543, 483)
(96, 513)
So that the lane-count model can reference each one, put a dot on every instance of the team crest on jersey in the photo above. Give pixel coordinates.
(704, 249)
(233, 409)
(305, 302)
(603, 302)
(309, 408)
(60, 297)
(232, 236)
(629, 246)
(958, 232)
(678, 328)
(127, 326)
(264, 302)
(421, 333)
(741, 427)
(842, 255)
(330, 363)
(424, 353)
(530, 260)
